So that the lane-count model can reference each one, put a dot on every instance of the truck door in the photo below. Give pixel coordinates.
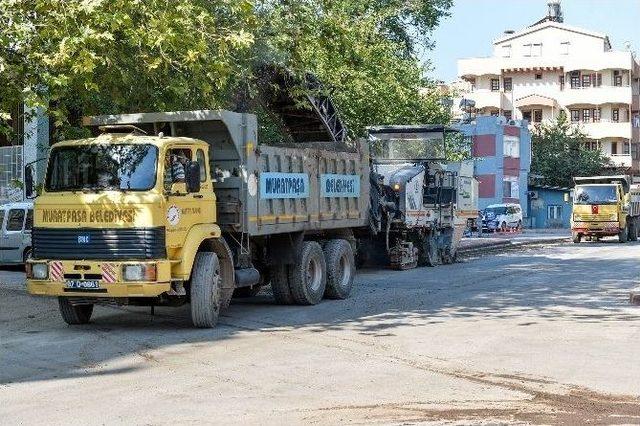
(185, 210)
(12, 236)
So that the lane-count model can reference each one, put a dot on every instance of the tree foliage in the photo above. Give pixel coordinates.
(559, 153)
(80, 57)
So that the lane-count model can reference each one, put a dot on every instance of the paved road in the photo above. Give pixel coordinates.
(533, 336)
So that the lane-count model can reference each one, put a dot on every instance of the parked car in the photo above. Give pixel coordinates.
(500, 217)
(16, 221)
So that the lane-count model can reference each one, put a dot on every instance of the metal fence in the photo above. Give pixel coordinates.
(11, 173)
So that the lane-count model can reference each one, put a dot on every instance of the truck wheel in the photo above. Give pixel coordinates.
(206, 290)
(576, 236)
(623, 235)
(308, 277)
(632, 230)
(341, 269)
(280, 285)
(74, 314)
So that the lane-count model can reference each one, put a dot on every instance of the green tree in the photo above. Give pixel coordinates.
(559, 153)
(364, 53)
(104, 56)
(81, 57)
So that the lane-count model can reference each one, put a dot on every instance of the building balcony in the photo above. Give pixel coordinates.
(606, 129)
(595, 95)
(487, 98)
(621, 160)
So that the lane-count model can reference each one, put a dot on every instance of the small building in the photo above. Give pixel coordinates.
(501, 149)
(549, 207)
(27, 142)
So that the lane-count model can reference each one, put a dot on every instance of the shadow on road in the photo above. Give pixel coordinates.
(534, 285)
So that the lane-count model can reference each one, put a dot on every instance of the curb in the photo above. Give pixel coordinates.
(498, 245)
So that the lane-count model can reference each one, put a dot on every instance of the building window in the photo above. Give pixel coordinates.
(575, 115)
(615, 115)
(561, 79)
(586, 80)
(537, 116)
(511, 146)
(592, 145)
(564, 47)
(596, 115)
(526, 115)
(495, 84)
(507, 84)
(617, 78)
(510, 187)
(586, 115)
(614, 148)
(538, 76)
(598, 81)
(625, 148)
(575, 80)
(506, 51)
(536, 49)
(554, 212)
(507, 114)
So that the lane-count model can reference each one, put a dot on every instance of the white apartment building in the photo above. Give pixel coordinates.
(550, 67)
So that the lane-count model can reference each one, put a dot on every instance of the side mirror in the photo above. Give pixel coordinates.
(193, 177)
(29, 187)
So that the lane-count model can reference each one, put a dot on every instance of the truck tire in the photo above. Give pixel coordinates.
(341, 269)
(632, 229)
(206, 290)
(576, 237)
(623, 235)
(280, 285)
(74, 314)
(308, 276)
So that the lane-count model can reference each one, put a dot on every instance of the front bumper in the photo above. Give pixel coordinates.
(111, 283)
(596, 228)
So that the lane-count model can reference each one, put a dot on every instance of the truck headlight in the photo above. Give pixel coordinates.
(139, 272)
(39, 271)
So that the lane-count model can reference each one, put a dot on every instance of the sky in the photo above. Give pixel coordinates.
(474, 24)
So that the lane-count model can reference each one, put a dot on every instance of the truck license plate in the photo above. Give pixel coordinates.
(82, 284)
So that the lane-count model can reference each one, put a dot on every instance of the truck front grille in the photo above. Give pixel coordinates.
(98, 244)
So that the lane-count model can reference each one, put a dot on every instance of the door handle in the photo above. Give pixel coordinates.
(198, 196)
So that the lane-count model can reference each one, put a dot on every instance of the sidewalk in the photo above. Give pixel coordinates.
(491, 241)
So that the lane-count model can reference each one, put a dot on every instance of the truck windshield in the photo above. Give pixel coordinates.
(102, 167)
(596, 194)
(412, 146)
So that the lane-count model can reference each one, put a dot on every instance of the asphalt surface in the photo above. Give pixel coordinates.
(537, 335)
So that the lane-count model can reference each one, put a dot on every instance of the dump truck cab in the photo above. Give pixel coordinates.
(605, 206)
(122, 216)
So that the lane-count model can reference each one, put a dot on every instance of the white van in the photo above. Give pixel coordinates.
(500, 217)
(16, 221)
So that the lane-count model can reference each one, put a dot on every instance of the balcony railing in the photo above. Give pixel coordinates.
(621, 160)
(596, 95)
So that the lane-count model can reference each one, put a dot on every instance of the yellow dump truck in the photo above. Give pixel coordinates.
(164, 209)
(605, 206)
